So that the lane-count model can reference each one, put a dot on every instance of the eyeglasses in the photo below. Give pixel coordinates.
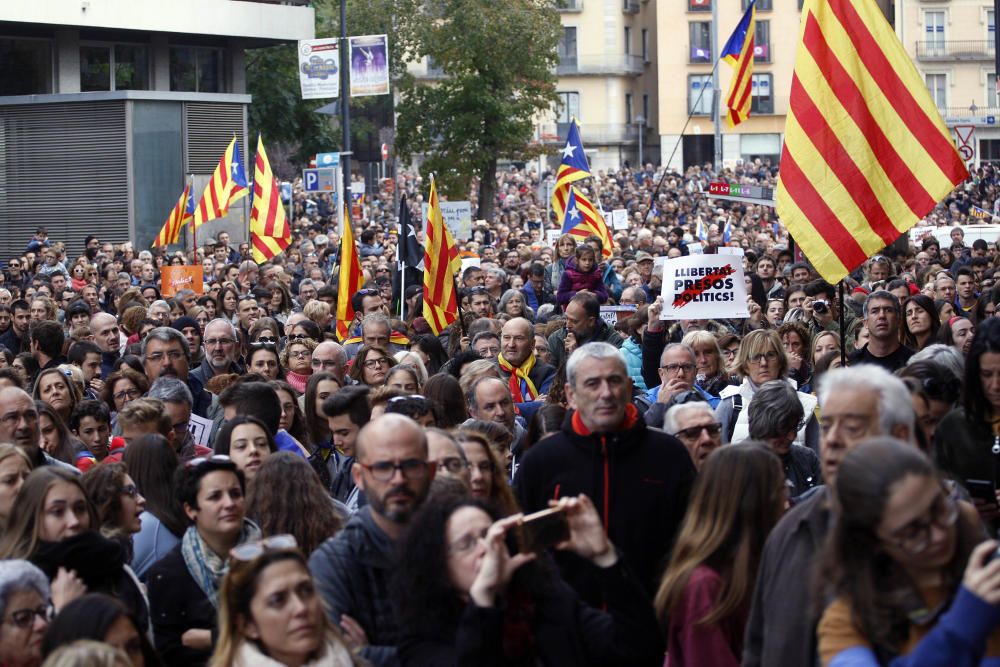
(916, 537)
(127, 395)
(251, 550)
(713, 429)
(294, 337)
(201, 460)
(383, 471)
(172, 355)
(375, 363)
(452, 464)
(325, 363)
(300, 354)
(467, 543)
(130, 490)
(673, 368)
(23, 618)
(12, 418)
(763, 357)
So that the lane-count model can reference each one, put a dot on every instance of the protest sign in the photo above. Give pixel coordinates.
(619, 219)
(176, 278)
(319, 68)
(700, 287)
(200, 429)
(552, 236)
(612, 314)
(457, 218)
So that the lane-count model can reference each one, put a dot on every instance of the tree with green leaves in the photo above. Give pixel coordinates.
(499, 60)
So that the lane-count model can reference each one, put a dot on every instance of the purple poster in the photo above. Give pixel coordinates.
(369, 65)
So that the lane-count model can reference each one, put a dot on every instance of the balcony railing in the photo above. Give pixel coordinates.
(960, 113)
(613, 64)
(569, 6)
(630, 6)
(968, 49)
(591, 133)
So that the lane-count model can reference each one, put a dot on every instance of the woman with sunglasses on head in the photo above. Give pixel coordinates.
(371, 365)
(908, 582)
(184, 585)
(55, 526)
(271, 613)
(761, 358)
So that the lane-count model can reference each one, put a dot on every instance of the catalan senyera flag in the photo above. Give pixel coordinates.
(270, 232)
(866, 153)
(583, 220)
(738, 52)
(228, 184)
(182, 212)
(351, 278)
(441, 263)
(573, 167)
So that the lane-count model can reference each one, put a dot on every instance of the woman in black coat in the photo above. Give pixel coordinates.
(468, 601)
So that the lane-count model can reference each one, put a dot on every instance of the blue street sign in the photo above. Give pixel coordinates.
(327, 160)
(319, 180)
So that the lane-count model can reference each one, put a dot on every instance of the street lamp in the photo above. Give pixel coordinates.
(640, 120)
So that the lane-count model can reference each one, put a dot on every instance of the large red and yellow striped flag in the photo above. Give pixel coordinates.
(441, 263)
(738, 52)
(866, 153)
(228, 183)
(270, 232)
(182, 212)
(351, 278)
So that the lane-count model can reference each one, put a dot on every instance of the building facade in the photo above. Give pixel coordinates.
(952, 44)
(106, 106)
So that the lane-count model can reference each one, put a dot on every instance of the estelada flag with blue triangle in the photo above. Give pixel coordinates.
(228, 184)
(583, 219)
(573, 167)
(182, 212)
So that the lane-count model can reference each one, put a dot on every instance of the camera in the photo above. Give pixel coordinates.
(821, 307)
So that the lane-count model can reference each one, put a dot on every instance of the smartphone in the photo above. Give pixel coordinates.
(542, 530)
(982, 489)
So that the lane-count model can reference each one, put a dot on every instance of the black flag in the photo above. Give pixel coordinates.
(411, 253)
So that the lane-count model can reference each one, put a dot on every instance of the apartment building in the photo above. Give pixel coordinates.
(107, 105)
(952, 44)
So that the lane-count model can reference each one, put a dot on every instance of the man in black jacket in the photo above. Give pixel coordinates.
(638, 478)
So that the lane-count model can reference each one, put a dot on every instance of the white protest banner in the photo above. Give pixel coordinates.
(611, 314)
(699, 287)
(457, 218)
(696, 249)
(319, 68)
(619, 219)
(200, 429)
(470, 261)
(551, 236)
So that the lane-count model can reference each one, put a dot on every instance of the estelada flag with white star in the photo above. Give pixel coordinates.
(583, 220)
(574, 167)
(228, 184)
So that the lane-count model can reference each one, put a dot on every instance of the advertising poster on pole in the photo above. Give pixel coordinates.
(702, 287)
(319, 68)
(369, 65)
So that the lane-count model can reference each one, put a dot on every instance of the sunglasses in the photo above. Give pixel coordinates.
(252, 550)
(202, 460)
(712, 429)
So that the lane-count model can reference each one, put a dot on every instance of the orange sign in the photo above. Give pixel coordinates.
(175, 278)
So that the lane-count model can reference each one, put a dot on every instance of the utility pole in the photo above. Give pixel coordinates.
(345, 109)
(715, 86)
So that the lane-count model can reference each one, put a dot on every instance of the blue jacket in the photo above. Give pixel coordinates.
(150, 544)
(632, 352)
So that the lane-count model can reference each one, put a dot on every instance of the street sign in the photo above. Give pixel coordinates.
(385, 152)
(319, 180)
(327, 160)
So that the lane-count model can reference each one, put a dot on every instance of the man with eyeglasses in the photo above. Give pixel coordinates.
(221, 351)
(678, 366)
(376, 330)
(165, 353)
(352, 570)
(695, 426)
(19, 426)
(330, 357)
(444, 452)
(856, 403)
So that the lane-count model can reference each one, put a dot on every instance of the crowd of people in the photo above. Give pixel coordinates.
(214, 477)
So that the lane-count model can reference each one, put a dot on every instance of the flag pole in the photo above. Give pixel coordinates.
(458, 302)
(194, 227)
(680, 138)
(843, 327)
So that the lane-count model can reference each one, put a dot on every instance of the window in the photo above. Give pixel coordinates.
(645, 107)
(762, 5)
(645, 45)
(762, 42)
(434, 68)
(700, 94)
(567, 47)
(934, 29)
(699, 5)
(701, 41)
(628, 108)
(991, 90)
(936, 85)
(569, 107)
(113, 67)
(991, 27)
(628, 40)
(196, 69)
(761, 99)
(25, 66)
